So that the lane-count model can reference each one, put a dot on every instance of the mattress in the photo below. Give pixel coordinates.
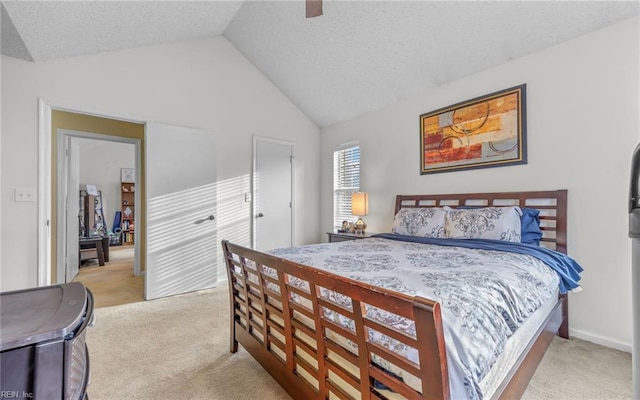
(516, 345)
(486, 297)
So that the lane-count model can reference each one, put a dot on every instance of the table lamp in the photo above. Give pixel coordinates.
(359, 207)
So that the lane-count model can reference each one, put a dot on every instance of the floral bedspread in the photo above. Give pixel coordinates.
(485, 295)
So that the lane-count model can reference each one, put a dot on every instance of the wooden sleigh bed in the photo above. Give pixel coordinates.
(290, 338)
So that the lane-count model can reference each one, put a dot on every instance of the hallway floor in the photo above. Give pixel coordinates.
(113, 283)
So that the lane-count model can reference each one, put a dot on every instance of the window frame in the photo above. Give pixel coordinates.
(346, 180)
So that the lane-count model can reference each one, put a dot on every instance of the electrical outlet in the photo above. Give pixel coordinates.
(25, 194)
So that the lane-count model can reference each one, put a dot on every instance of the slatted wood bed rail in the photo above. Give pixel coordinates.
(278, 313)
(295, 331)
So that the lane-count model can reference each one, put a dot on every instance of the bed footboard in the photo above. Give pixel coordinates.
(318, 334)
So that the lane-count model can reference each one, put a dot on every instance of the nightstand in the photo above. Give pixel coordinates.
(342, 237)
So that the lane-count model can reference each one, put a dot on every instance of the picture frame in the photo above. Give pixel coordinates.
(127, 175)
(486, 131)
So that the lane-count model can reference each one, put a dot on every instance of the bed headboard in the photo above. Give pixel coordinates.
(552, 205)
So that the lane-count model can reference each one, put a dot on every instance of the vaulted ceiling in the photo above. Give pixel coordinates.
(359, 56)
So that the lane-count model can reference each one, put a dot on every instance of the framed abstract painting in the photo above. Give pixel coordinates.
(488, 131)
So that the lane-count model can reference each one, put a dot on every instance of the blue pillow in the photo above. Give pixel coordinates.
(530, 232)
(530, 226)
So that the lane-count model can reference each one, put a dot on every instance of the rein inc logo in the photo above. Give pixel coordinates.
(15, 394)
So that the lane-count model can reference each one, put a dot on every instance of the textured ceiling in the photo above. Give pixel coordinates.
(60, 29)
(357, 57)
(360, 56)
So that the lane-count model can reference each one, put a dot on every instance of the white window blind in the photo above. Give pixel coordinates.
(346, 180)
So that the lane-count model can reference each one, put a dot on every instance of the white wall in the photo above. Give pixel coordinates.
(204, 84)
(1, 180)
(100, 164)
(3, 190)
(582, 120)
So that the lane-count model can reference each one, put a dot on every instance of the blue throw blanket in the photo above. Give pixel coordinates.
(567, 268)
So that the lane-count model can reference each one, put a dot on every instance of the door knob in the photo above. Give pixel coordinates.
(209, 218)
(260, 215)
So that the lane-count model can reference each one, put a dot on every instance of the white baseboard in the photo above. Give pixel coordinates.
(601, 340)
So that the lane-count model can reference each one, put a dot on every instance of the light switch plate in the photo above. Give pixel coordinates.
(25, 194)
(247, 197)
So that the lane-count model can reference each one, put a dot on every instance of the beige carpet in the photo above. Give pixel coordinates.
(178, 348)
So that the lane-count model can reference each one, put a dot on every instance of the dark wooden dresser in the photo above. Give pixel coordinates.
(43, 353)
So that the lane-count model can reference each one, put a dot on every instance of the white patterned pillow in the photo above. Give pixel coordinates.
(426, 222)
(497, 223)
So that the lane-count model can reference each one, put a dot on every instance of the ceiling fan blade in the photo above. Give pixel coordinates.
(314, 8)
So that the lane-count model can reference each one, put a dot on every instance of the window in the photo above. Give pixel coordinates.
(346, 180)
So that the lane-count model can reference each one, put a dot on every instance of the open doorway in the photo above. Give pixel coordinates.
(106, 209)
(84, 204)
(175, 202)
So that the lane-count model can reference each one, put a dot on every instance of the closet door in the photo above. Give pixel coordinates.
(181, 210)
(273, 194)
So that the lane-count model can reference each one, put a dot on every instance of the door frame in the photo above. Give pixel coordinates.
(62, 136)
(45, 189)
(65, 143)
(254, 183)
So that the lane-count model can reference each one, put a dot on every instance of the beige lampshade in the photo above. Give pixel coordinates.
(360, 203)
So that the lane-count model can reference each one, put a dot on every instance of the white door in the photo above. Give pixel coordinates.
(273, 189)
(72, 201)
(181, 208)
